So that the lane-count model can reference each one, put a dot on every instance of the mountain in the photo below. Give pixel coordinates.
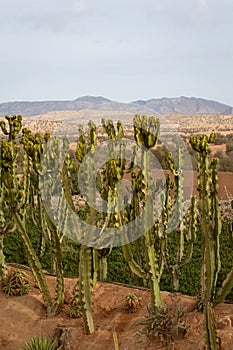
(185, 105)
(40, 107)
(180, 105)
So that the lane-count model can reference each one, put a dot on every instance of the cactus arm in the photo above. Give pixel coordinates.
(153, 270)
(3, 268)
(227, 285)
(103, 264)
(60, 287)
(55, 244)
(190, 228)
(134, 267)
(96, 266)
(34, 263)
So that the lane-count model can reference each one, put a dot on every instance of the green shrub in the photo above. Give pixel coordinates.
(118, 270)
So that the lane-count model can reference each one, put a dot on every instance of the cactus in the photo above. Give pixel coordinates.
(111, 173)
(146, 135)
(210, 228)
(173, 216)
(29, 188)
(146, 132)
(83, 294)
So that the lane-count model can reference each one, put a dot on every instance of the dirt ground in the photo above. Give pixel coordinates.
(25, 316)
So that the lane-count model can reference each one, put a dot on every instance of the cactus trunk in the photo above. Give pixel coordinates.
(84, 287)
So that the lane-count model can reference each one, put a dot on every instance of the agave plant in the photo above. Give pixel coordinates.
(132, 302)
(16, 283)
(41, 343)
(161, 325)
(74, 310)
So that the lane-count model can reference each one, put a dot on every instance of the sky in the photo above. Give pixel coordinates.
(123, 50)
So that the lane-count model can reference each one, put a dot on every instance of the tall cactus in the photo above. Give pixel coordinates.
(54, 173)
(83, 295)
(146, 131)
(175, 223)
(210, 228)
(111, 174)
(146, 134)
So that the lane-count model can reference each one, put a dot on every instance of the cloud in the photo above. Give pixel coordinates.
(193, 13)
(54, 16)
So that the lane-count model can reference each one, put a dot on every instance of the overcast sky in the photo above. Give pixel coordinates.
(123, 50)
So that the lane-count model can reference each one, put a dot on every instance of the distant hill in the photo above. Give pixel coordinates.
(180, 105)
(185, 105)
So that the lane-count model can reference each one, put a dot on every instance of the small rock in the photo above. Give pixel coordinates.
(224, 322)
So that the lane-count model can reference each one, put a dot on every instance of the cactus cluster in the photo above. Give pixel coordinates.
(157, 212)
(17, 194)
(22, 196)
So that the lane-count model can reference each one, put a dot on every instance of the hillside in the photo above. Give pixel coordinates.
(66, 122)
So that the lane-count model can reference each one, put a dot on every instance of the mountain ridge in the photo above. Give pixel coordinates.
(164, 105)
